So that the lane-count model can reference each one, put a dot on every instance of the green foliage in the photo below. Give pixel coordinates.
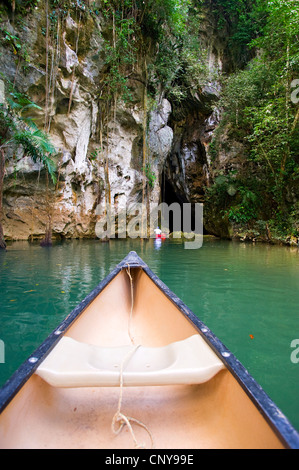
(162, 32)
(221, 192)
(241, 21)
(94, 155)
(236, 198)
(120, 49)
(280, 30)
(15, 44)
(180, 63)
(259, 112)
(19, 129)
(37, 145)
(150, 175)
(245, 89)
(12, 40)
(23, 7)
(246, 210)
(159, 14)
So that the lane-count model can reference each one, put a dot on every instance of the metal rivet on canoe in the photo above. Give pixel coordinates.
(204, 330)
(57, 332)
(33, 359)
(225, 354)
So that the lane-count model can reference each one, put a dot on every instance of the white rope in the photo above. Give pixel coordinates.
(132, 305)
(120, 418)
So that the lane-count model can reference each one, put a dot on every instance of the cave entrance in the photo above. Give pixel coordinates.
(170, 195)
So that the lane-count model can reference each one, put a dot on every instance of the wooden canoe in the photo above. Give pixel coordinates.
(132, 366)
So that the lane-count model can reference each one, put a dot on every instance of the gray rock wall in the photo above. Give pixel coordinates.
(67, 92)
(74, 129)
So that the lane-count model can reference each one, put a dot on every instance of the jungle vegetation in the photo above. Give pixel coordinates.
(160, 41)
(260, 110)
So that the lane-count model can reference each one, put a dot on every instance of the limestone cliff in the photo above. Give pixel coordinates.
(72, 118)
(62, 77)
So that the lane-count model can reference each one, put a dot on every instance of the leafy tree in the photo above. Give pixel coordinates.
(19, 130)
(241, 21)
(258, 110)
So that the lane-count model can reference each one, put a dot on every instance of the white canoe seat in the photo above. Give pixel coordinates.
(75, 364)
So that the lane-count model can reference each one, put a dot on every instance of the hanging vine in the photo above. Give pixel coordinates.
(119, 60)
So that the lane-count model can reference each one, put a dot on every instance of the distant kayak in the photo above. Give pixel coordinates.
(161, 236)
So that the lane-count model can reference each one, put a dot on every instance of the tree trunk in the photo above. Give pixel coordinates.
(144, 155)
(2, 170)
(47, 240)
(47, 67)
(287, 104)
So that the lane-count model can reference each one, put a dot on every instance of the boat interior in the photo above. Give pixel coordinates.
(62, 408)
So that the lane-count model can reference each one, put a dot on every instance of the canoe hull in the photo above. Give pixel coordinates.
(228, 411)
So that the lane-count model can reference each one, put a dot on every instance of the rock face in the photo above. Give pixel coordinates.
(72, 118)
(177, 140)
(188, 168)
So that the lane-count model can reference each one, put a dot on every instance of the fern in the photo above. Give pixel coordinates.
(37, 145)
(18, 129)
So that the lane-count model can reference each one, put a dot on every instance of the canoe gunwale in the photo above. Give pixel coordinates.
(27, 369)
(275, 418)
(29, 366)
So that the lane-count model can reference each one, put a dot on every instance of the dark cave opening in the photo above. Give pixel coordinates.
(170, 195)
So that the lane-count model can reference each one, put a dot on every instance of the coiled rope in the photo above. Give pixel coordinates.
(119, 418)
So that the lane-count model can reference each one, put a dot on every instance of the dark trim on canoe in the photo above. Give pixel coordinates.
(273, 415)
(276, 419)
(24, 372)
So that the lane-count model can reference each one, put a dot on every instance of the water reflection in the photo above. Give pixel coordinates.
(157, 243)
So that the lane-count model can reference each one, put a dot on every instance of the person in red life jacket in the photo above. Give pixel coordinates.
(158, 232)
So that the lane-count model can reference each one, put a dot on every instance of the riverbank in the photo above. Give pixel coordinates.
(238, 235)
(243, 236)
(256, 237)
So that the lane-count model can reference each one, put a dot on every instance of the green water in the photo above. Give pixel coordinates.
(237, 289)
